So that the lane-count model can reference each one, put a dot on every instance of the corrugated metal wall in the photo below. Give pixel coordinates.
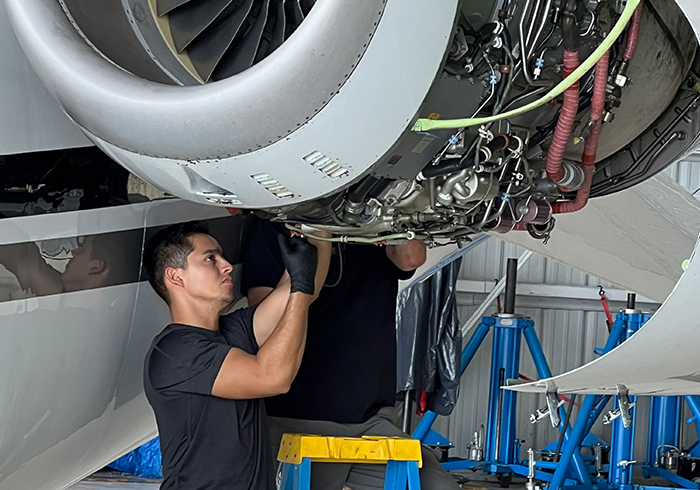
(568, 338)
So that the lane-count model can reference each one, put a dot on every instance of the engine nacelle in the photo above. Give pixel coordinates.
(308, 110)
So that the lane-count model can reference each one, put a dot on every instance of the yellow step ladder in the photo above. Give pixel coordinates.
(402, 457)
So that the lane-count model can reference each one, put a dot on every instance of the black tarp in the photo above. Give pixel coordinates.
(429, 339)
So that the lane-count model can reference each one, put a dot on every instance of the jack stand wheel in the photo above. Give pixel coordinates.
(505, 479)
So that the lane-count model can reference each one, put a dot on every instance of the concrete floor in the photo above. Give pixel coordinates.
(114, 480)
(87, 485)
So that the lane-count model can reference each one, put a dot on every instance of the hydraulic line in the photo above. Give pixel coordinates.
(615, 33)
(353, 239)
(499, 143)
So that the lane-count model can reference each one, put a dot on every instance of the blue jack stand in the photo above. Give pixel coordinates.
(664, 453)
(501, 451)
(622, 417)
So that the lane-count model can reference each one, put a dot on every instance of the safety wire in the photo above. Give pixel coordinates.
(428, 124)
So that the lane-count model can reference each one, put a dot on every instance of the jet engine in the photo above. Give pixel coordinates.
(377, 120)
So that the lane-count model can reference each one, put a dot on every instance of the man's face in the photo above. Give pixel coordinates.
(82, 270)
(208, 273)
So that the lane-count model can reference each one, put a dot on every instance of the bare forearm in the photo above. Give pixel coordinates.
(324, 260)
(407, 257)
(281, 354)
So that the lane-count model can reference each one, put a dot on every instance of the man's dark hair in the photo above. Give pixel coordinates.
(169, 248)
(121, 252)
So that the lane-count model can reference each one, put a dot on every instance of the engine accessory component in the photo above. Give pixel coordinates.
(574, 176)
(630, 6)
(533, 211)
(502, 224)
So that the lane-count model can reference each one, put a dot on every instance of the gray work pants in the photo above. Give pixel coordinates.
(333, 476)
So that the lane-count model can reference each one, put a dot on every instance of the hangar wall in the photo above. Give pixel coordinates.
(569, 321)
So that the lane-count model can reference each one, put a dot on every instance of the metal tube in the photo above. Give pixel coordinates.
(694, 405)
(474, 343)
(498, 289)
(424, 425)
(562, 433)
(544, 372)
(511, 284)
(664, 425)
(621, 450)
(444, 195)
(533, 41)
(524, 49)
(597, 411)
(536, 352)
(499, 416)
(505, 360)
(406, 419)
(618, 330)
(572, 445)
(468, 354)
(631, 301)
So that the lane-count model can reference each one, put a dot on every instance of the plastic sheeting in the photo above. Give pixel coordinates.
(145, 461)
(429, 339)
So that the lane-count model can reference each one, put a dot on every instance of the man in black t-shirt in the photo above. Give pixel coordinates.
(205, 374)
(346, 385)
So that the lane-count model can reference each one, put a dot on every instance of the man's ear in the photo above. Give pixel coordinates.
(174, 277)
(97, 267)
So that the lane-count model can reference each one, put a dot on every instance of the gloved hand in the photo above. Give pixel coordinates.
(300, 259)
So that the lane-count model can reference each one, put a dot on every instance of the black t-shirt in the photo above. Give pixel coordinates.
(207, 442)
(349, 367)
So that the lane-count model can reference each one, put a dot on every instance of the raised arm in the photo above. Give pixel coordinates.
(409, 256)
(273, 369)
(272, 304)
(24, 260)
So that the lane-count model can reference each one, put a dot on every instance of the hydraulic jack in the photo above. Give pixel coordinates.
(501, 451)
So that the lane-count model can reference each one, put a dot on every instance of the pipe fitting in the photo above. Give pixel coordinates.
(574, 176)
(444, 192)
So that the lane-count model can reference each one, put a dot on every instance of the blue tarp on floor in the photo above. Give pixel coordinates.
(144, 461)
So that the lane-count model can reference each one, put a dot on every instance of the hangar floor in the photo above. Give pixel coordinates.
(113, 480)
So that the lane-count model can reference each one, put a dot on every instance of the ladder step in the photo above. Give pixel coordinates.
(368, 449)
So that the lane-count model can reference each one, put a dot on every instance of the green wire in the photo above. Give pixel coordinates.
(351, 239)
(428, 124)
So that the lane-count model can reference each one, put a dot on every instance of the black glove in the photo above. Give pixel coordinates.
(300, 259)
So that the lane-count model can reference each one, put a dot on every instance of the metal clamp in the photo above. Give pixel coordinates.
(625, 405)
(485, 134)
(624, 410)
(543, 412)
(611, 415)
(553, 404)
